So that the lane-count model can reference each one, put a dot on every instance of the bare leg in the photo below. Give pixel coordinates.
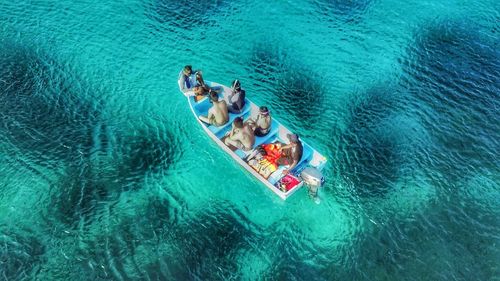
(204, 119)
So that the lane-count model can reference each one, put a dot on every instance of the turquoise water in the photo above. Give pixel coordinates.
(106, 175)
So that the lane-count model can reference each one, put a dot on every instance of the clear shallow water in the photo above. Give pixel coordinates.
(105, 175)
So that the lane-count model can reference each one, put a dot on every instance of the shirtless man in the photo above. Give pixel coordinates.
(241, 136)
(291, 153)
(217, 114)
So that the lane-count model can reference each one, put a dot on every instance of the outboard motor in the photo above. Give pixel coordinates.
(314, 179)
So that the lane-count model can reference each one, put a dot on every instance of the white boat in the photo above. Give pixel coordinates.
(311, 158)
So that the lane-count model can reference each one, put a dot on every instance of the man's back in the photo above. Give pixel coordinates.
(294, 153)
(245, 136)
(219, 111)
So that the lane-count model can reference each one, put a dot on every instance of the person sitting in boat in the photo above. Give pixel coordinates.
(188, 79)
(290, 153)
(241, 135)
(236, 100)
(217, 114)
(262, 123)
(199, 93)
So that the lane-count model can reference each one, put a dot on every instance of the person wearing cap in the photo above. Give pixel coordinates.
(241, 135)
(236, 99)
(189, 79)
(262, 123)
(291, 153)
(217, 114)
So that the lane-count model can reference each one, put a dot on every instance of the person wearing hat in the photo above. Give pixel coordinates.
(262, 124)
(236, 99)
(291, 153)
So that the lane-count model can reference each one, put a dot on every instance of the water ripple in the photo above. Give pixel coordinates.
(455, 74)
(348, 11)
(42, 112)
(371, 150)
(106, 163)
(148, 150)
(291, 88)
(173, 15)
(78, 196)
(20, 253)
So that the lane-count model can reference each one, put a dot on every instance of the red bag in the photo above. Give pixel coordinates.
(287, 182)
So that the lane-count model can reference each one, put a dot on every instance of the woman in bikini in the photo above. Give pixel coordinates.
(262, 124)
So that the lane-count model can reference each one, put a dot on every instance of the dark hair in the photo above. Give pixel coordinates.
(188, 67)
(238, 122)
(199, 87)
(236, 84)
(293, 138)
(214, 96)
(263, 109)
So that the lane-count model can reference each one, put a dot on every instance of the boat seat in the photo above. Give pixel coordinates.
(201, 107)
(217, 129)
(242, 153)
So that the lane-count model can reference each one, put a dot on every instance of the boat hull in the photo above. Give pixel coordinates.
(278, 132)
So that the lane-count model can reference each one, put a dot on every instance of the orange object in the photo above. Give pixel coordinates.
(267, 168)
(197, 98)
(263, 167)
(273, 152)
